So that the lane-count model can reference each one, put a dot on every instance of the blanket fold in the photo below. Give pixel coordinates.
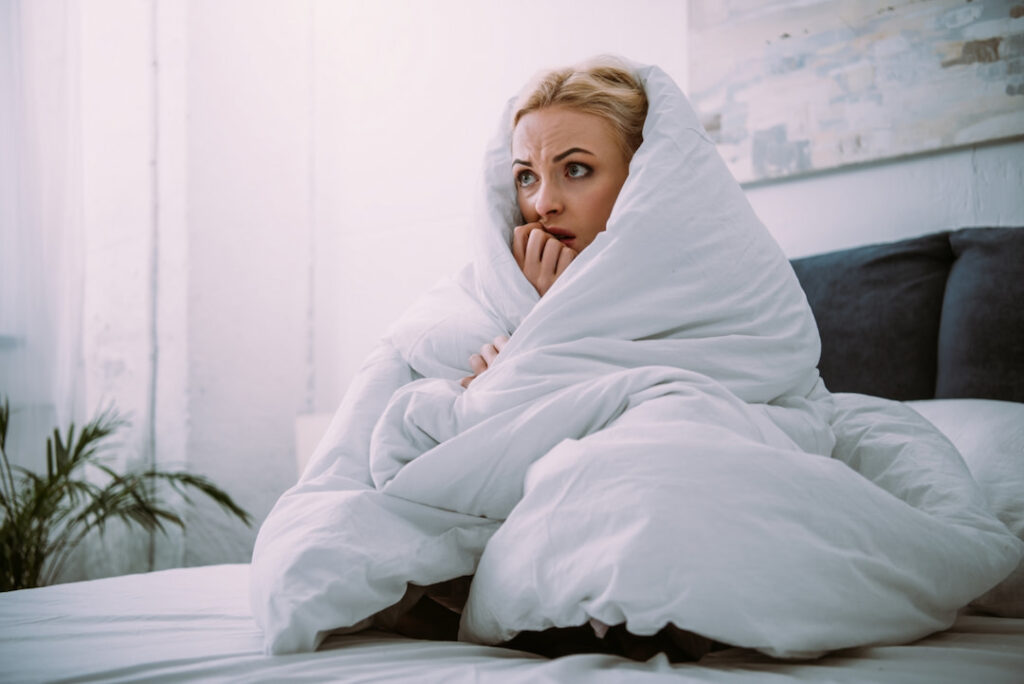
(653, 445)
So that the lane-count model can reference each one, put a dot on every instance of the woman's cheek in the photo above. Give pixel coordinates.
(524, 208)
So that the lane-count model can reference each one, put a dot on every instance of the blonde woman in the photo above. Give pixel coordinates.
(575, 132)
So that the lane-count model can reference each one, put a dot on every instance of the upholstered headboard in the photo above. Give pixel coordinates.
(938, 316)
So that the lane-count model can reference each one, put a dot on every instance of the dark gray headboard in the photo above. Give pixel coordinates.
(938, 316)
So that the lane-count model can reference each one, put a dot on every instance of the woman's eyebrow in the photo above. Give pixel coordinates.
(557, 158)
(571, 150)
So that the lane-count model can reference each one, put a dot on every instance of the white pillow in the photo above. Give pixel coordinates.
(990, 436)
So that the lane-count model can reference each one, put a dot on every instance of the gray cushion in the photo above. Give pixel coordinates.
(981, 338)
(878, 309)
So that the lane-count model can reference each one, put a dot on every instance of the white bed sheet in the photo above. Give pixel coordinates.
(194, 624)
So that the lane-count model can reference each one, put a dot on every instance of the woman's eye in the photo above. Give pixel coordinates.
(525, 178)
(576, 170)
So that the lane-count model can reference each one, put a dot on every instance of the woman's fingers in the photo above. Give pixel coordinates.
(477, 364)
(535, 246)
(482, 361)
(565, 258)
(489, 352)
(549, 258)
(540, 256)
(520, 236)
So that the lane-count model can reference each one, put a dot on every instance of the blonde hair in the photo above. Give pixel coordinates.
(603, 86)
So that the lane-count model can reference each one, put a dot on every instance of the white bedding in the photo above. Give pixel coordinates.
(194, 624)
(652, 446)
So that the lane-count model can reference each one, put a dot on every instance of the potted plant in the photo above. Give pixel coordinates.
(45, 516)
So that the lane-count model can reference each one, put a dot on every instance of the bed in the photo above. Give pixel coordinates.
(934, 321)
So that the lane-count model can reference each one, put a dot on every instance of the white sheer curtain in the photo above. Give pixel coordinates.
(41, 256)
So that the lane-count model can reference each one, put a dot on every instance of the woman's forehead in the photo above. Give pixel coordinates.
(545, 133)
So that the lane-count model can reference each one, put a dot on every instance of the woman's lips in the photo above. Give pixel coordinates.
(561, 234)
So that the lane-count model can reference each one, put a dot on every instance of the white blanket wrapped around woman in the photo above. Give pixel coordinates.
(653, 445)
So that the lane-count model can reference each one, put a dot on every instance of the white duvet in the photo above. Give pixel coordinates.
(653, 445)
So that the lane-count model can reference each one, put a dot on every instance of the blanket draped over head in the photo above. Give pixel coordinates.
(653, 445)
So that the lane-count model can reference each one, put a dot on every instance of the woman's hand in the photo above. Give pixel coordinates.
(540, 255)
(478, 363)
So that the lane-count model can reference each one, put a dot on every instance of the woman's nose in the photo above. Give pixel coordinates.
(548, 200)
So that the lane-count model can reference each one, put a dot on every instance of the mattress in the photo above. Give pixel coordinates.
(195, 624)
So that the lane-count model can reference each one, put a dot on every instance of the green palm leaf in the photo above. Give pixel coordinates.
(46, 517)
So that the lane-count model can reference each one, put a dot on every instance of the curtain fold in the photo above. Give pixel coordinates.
(41, 255)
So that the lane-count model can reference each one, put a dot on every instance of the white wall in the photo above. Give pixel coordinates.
(118, 218)
(971, 187)
(198, 284)
(249, 185)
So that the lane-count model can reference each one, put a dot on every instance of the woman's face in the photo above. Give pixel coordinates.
(569, 168)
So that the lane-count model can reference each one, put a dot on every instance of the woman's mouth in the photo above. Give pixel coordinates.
(560, 234)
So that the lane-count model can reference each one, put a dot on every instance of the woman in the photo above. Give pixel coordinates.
(647, 450)
(575, 131)
(582, 126)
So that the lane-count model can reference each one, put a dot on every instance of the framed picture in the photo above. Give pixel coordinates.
(789, 87)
